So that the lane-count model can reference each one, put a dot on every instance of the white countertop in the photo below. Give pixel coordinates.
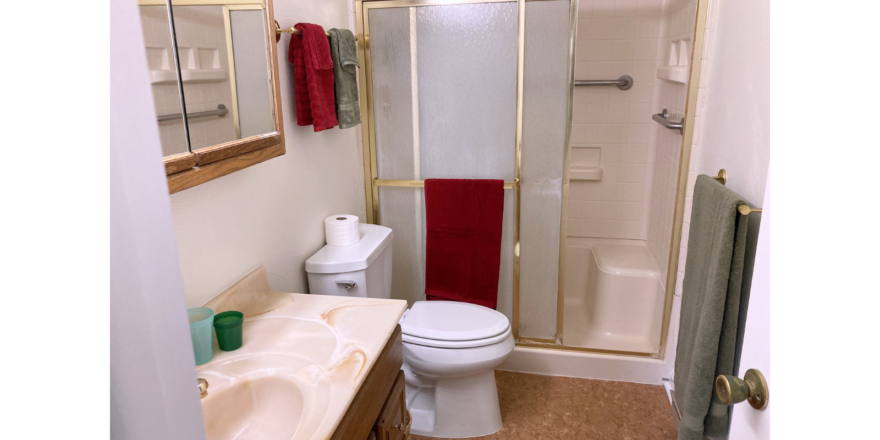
(325, 345)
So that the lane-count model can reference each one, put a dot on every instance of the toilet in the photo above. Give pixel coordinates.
(450, 349)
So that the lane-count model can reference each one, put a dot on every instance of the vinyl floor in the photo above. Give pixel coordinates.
(546, 407)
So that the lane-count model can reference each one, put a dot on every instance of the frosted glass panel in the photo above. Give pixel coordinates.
(545, 107)
(467, 90)
(256, 112)
(401, 209)
(444, 103)
(393, 93)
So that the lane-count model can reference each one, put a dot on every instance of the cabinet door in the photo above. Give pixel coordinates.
(394, 420)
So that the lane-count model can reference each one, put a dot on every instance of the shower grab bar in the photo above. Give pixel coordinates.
(625, 82)
(421, 183)
(221, 112)
(663, 119)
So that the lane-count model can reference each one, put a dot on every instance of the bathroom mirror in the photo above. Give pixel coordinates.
(213, 71)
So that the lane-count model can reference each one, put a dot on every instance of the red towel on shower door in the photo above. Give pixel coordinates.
(313, 77)
(463, 249)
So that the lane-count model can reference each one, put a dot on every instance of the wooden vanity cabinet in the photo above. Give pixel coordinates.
(394, 421)
(378, 410)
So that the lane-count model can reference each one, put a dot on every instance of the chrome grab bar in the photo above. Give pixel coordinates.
(625, 82)
(221, 112)
(663, 119)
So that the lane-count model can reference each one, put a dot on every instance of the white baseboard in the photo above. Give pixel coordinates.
(549, 362)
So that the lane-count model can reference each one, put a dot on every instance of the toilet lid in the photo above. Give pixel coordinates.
(453, 321)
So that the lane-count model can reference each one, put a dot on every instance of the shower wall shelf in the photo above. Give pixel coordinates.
(203, 75)
(673, 73)
(163, 77)
(585, 173)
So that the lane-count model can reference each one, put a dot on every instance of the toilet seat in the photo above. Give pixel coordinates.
(451, 324)
(439, 343)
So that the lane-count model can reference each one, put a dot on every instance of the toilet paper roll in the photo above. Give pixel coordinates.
(341, 230)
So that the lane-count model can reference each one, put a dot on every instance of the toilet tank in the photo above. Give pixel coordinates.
(362, 269)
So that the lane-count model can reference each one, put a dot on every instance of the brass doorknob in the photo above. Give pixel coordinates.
(731, 389)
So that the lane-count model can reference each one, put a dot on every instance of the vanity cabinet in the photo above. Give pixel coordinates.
(378, 410)
(394, 420)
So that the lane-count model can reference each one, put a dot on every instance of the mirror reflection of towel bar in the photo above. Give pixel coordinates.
(221, 111)
(743, 209)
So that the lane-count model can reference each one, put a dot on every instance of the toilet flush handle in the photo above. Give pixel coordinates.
(348, 284)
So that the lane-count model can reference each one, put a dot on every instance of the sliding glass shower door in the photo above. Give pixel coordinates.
(443, 99)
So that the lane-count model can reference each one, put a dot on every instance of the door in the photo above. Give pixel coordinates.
(748, 423)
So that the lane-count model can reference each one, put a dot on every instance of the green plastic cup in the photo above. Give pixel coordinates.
(200, 319)
(228, 326)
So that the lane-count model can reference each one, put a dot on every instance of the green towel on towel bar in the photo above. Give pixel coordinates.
(710, 308)
(343, 51)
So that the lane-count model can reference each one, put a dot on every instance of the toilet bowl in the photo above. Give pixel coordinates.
(450, 351)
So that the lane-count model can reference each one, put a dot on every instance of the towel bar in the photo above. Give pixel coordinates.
(663, 119)
(743, 209)
(625, 82)
(421, 183)
(293, 30)
(221, 112)
(746, 210)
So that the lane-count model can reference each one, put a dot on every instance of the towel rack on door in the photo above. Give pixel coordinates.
(625, 82)
(221, 111)
(421, 183)
(663, 119)
(743, 209)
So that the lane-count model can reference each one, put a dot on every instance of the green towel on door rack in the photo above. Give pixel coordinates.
(710, 308)
(343, 51)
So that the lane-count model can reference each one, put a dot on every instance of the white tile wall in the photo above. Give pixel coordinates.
(614, 38)
(677, 23)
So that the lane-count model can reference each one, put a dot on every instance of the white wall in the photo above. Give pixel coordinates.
(732, 126)
(272, 214)
(152, 370)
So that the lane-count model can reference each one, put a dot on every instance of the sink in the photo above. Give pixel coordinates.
(257, 408)
(267, 387)
(302, 360)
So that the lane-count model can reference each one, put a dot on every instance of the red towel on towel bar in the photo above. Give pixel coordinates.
(463, 254)
(309, 52)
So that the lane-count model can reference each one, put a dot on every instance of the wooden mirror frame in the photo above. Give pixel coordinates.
(187, 170)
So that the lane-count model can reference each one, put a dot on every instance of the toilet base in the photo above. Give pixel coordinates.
(457, 407)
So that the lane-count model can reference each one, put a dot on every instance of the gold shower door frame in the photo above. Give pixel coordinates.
(372, 182)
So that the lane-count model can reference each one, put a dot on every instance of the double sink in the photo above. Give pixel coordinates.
(298, 368)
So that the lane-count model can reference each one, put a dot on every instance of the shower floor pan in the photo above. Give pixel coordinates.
(613, 297)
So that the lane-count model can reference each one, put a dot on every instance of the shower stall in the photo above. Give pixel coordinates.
(486, 89)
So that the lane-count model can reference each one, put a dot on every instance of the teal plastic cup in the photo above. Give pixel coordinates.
(201, 329)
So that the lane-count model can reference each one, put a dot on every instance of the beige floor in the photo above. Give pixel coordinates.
(545, 407)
